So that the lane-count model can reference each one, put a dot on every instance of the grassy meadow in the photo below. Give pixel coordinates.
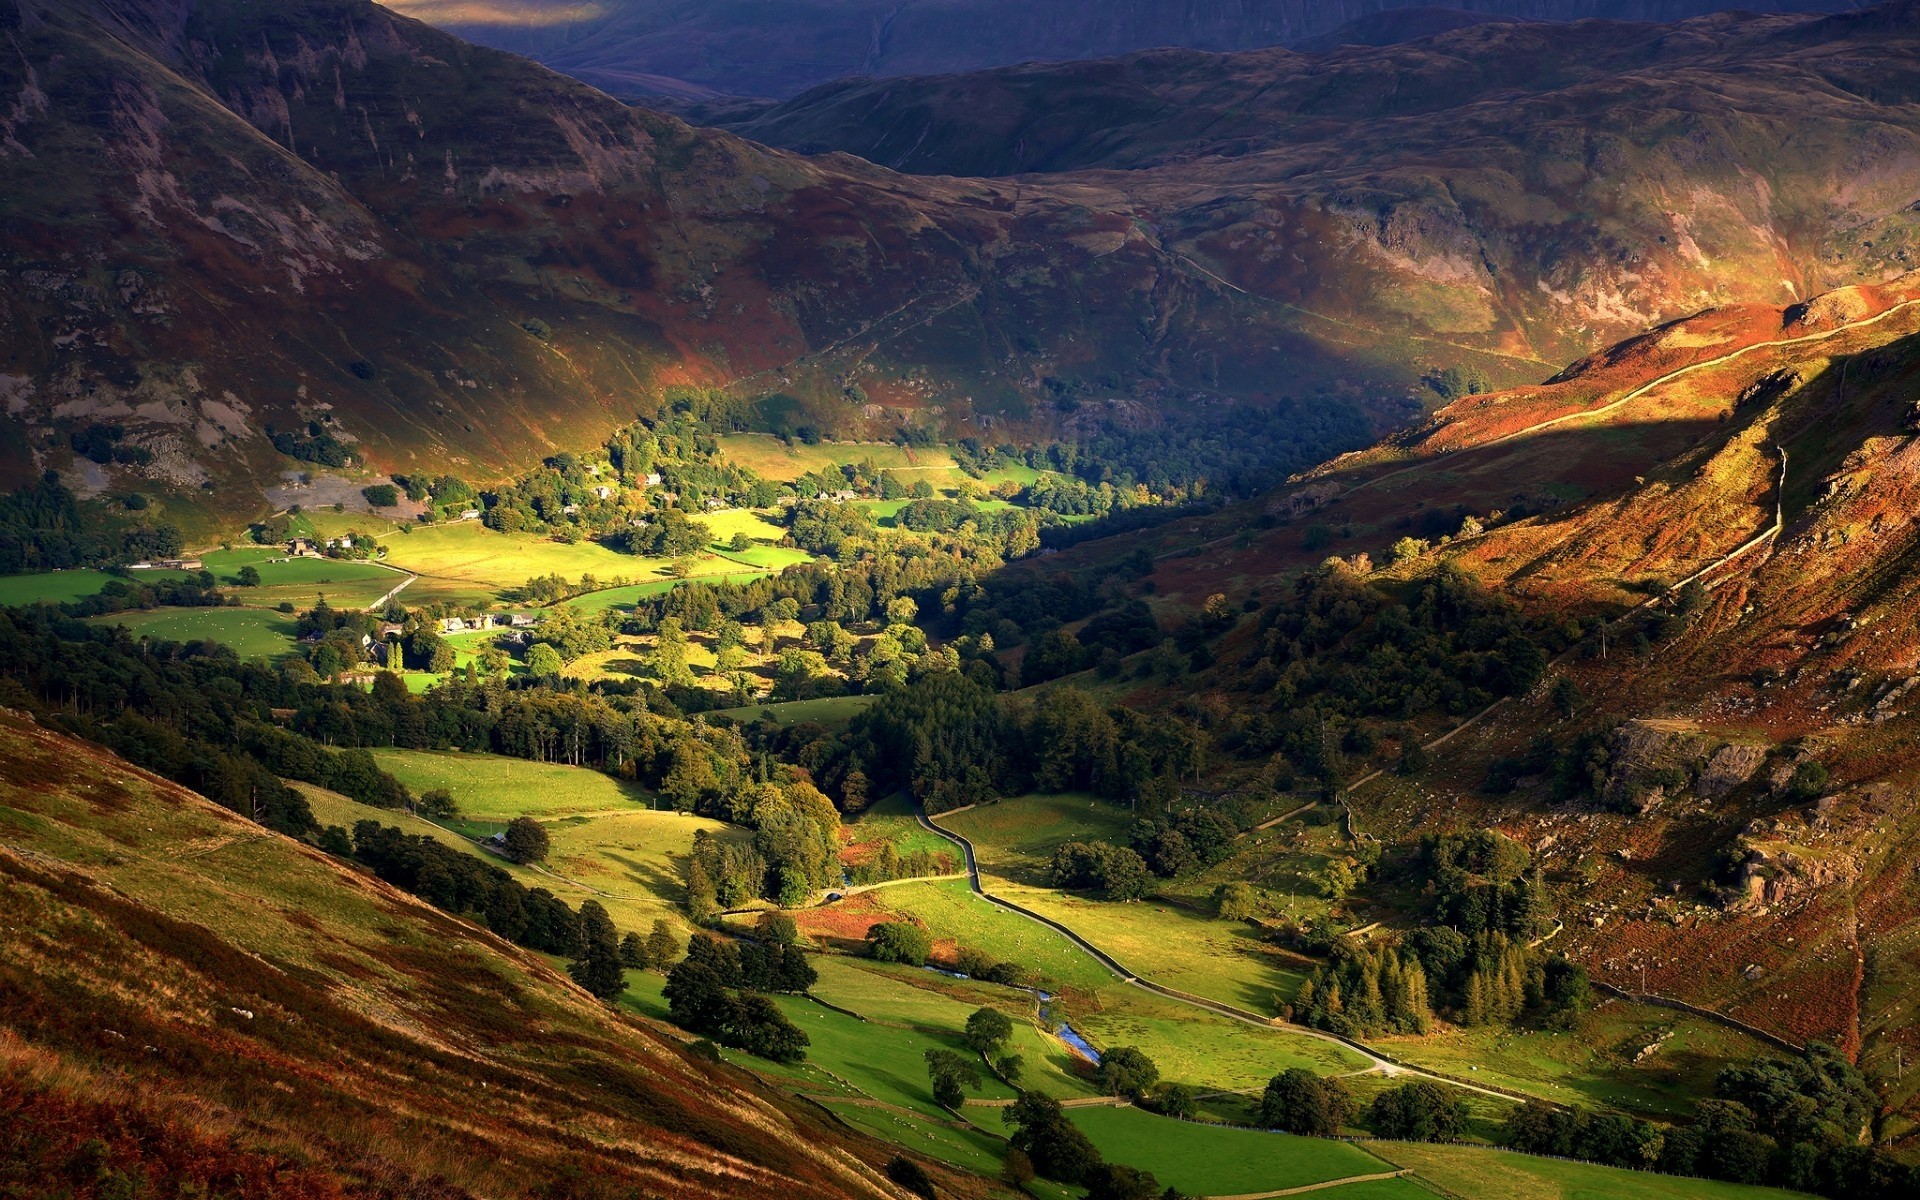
(1487, 1174)
(252, 632)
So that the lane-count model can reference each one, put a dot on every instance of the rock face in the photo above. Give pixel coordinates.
(750, 48)
(1654, 760)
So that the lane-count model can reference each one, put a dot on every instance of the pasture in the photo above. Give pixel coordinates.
(1488, 1174)
(491, 787)
(467, 563)
(828, 711)
(1220, 1160)
(892, 820)
(57, 587)
(770, 458)
(252, 632)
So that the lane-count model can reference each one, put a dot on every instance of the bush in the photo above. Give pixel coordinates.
(381, 495)
(899, 942)
(1125, 1071)
(526, 840)
(1420, 1111)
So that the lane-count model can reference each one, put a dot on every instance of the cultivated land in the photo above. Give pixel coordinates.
(467, 563)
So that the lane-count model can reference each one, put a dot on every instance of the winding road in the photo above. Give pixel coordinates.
(1378, 1061)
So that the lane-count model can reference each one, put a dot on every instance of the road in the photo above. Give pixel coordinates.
(382, 602)
(1377, 1061)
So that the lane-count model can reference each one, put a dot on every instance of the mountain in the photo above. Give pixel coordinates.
(193, 1005)
(673, 48)
(323, 222)
(1710, 526)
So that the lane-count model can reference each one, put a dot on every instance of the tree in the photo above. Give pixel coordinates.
(249, 577)
(436, 803)
(988, 1030)
(334, 840)
(543, 660)
(662, 946)
(670, 654)
(597, 967)
(381, 495)
(1114, 1181)
(1421, 1111)
(951, 1075)
(633, 952)
(1299, 1101)
(911, 1176)
(1055, 1146)
(1126, 1071)
(526, 840)
(899, 942)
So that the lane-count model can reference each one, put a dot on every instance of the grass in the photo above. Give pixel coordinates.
(630, 595)
(490, 787)
(726, 523)
(1180, 946)
(832, 710)
(1487, 1174)
(892, 820)
(950, 910)
(771, 458)
(252, 632)
(467, 563)
(346, 583)
(1200, 1048)
(1217, 1160)
(57, 587)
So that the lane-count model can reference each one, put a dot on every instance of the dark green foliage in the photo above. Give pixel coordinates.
(1126, 1071)
(911, 1176)
(1190, 841)
(461, 883)
(700, 999)
(988, 1029)
(597, 966)
(1301, 1102)
(1114, 1181)
(943, 737)
(1483, 882)
(525, 840)
(633, 952)
(381, 495)
(335, 840)
(951, 1074)
(1364, 991)
(1420, 1111)
(899, 942)
(1053, 1144)
(1116, 872)
(662, 946)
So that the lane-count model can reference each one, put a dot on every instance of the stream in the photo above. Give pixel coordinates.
(1065, 1032)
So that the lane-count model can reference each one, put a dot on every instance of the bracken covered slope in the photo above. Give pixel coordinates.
(189, 1001)
(749, 48)
(1693, 855)
(224, 216)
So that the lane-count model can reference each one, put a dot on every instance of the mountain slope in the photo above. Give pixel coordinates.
(320, 218)
(214, 1004)
(653, 47)
(1717, 520)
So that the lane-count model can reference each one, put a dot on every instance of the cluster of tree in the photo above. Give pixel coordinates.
(1301, 1102)
(45, 527)
(313, 443)
(1114, 872)
(888, 863)
(105, 444)
(658, 950)
(123, 595)
(1799, 1122)
(1177, 843)
(1421, 1111)
(1047, 1143)
(796, 829)
(1484, 882)
(1364, 991)
(899, 942)
(1340, 650)
(462, 884)
(709, 992)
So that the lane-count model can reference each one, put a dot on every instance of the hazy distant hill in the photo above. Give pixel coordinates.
(753, 48)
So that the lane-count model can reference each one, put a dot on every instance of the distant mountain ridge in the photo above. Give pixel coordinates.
(750, 48)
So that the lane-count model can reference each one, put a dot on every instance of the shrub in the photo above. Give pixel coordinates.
(899, 942)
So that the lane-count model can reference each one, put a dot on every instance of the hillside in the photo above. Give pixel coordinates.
(192, 1000)
(739, 48)
(1659, 768)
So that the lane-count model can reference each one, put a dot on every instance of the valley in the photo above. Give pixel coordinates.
(967, 609)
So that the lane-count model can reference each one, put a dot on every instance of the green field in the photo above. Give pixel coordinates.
(252, 632)
(1180, 946)
(949, 909)
(627, 597)
(56, 587)
(1486, 1174)
(1217, 1160)
(490, 787)
(467, 563)
(346, 583)
(832, 710)
(723, 524)
(892, 820)
(771, 458)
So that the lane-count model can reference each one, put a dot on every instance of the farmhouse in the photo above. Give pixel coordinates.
(470, 514)
(653, 479)
(603, 492)
(301, 548)
(167, 564)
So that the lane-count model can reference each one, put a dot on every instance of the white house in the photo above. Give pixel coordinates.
(603, 491)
